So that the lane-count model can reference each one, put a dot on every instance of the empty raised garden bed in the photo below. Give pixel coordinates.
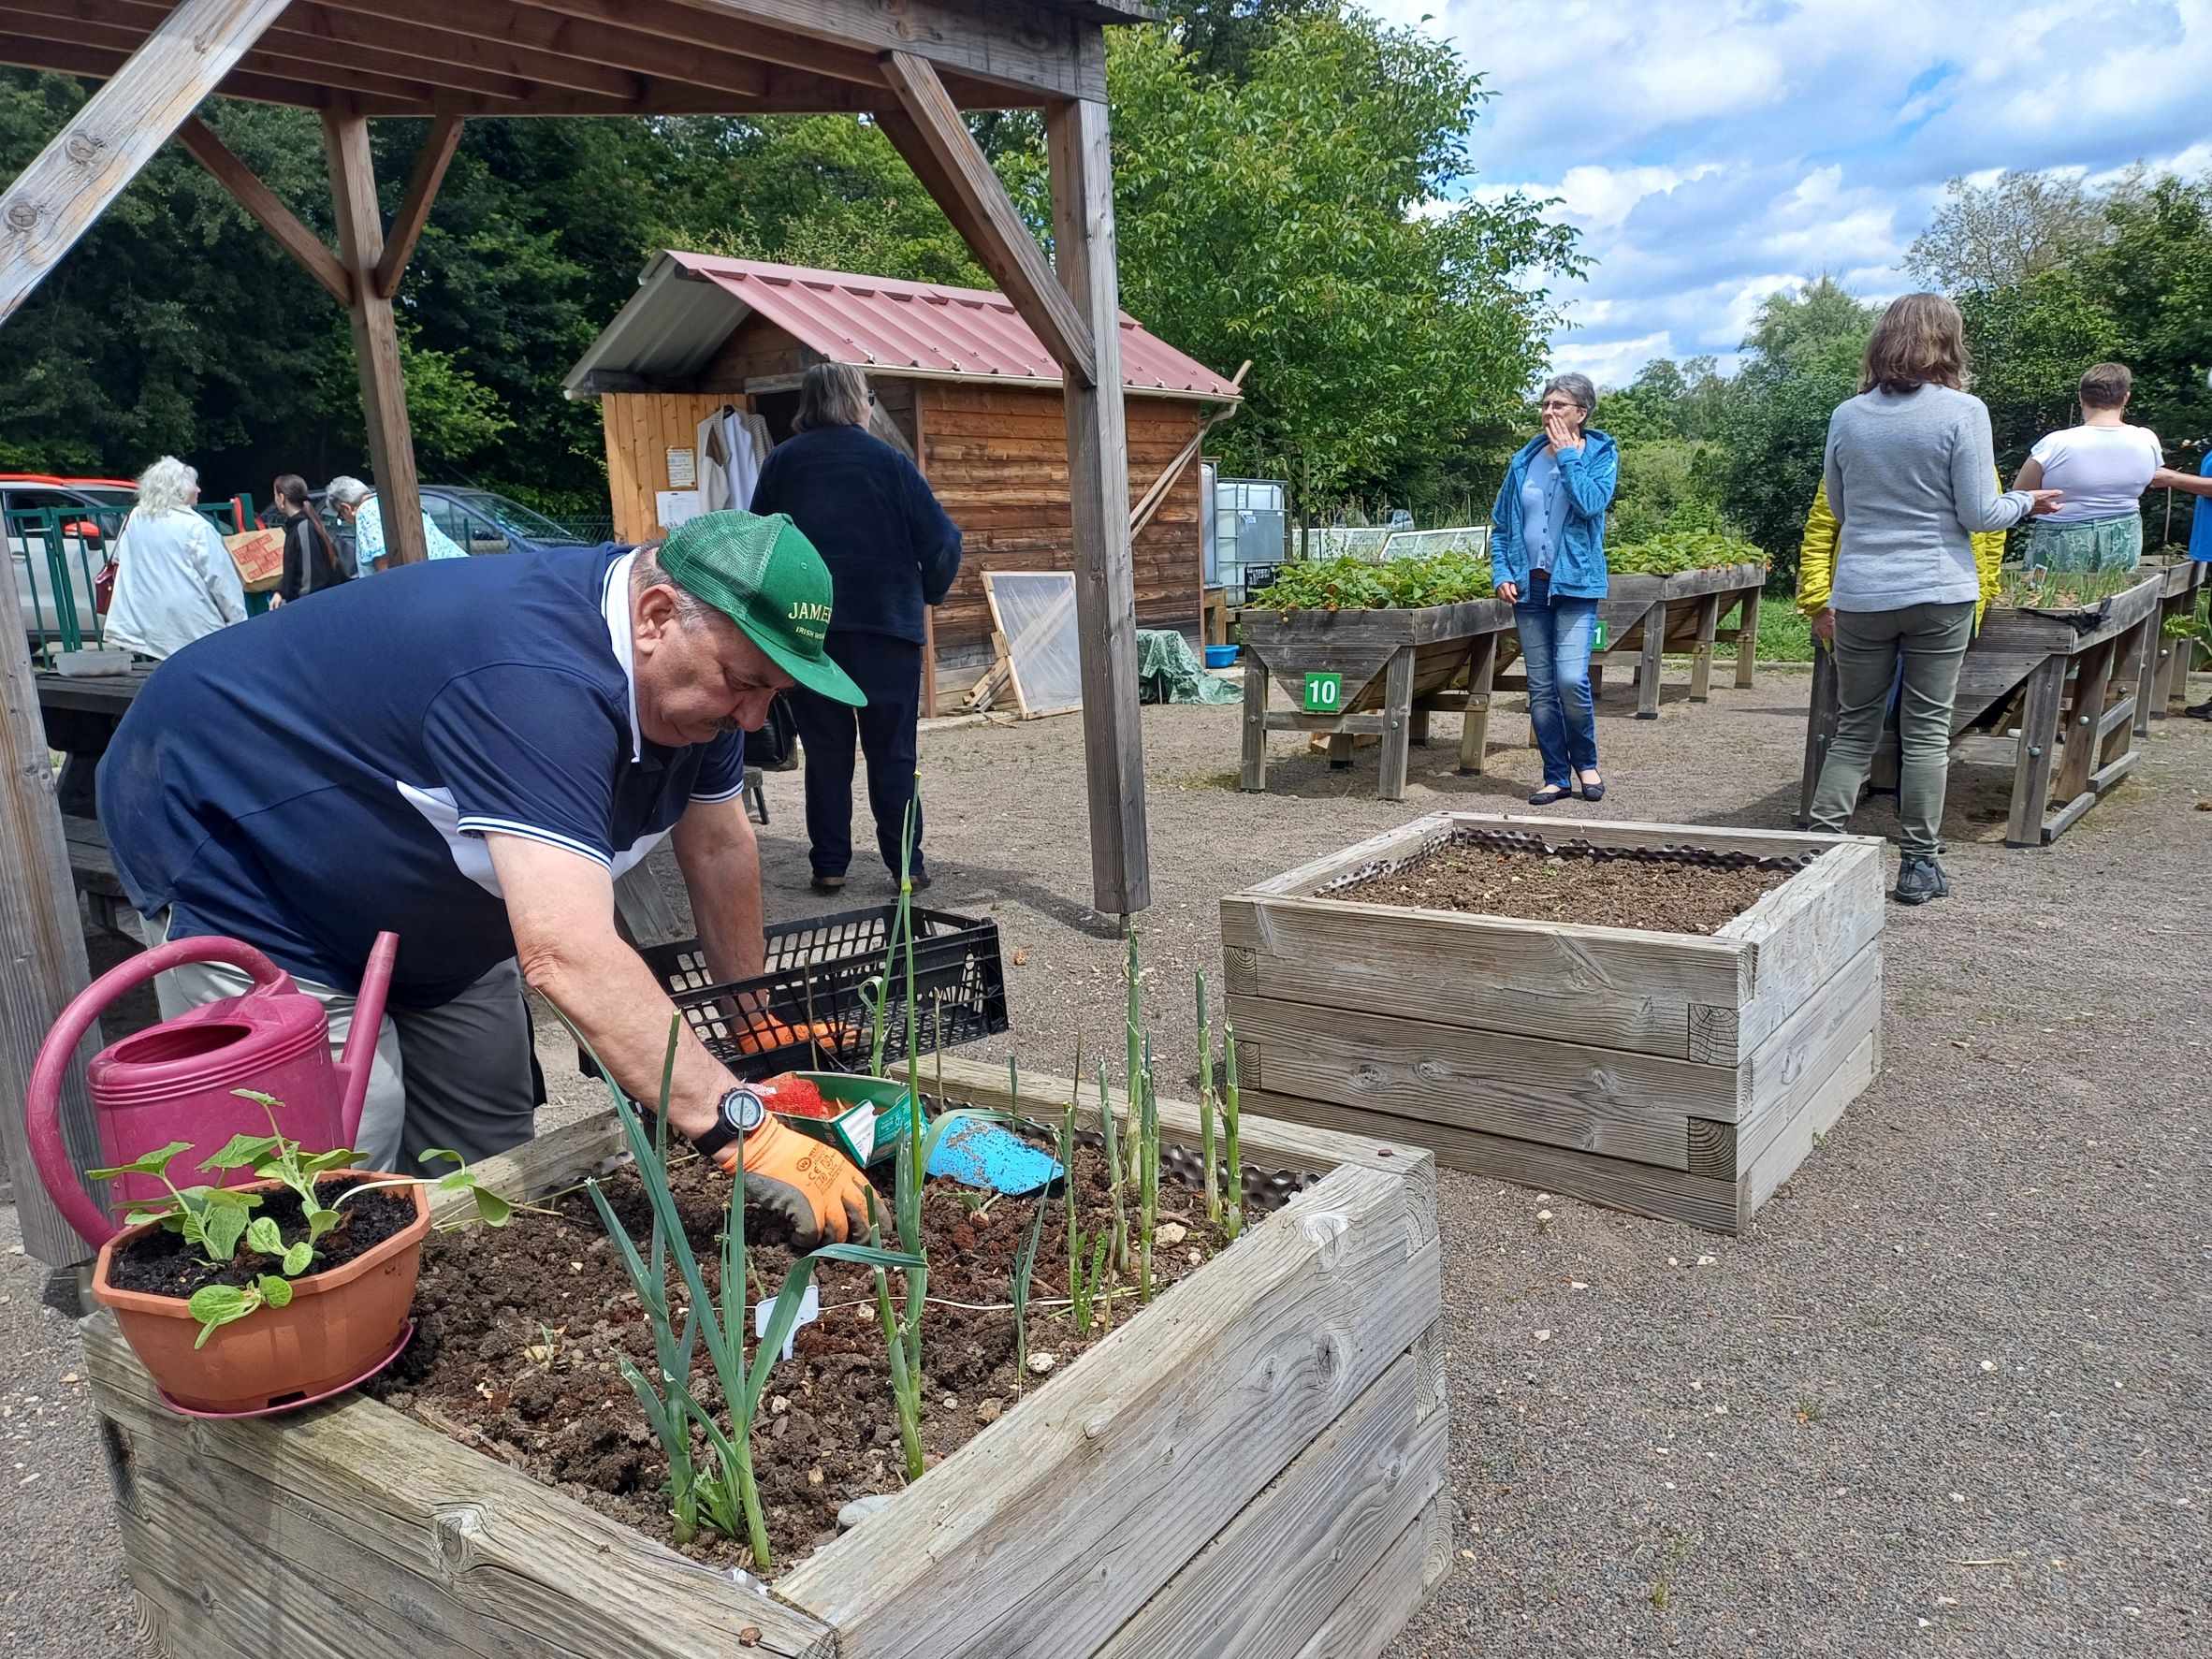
(1254, 1465)
(1677, 1073)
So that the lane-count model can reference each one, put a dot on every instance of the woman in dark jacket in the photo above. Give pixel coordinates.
(891, 550)
(311, 557)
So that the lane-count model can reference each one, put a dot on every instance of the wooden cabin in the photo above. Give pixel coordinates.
(962, 384)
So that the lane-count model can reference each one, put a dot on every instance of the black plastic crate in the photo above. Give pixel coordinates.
(816, 969)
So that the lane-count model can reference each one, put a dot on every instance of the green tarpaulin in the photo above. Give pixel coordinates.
(1168, 671)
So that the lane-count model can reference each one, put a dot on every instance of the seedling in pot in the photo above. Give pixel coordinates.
(217, 1220)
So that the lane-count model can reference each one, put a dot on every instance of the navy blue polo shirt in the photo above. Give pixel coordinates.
(307, 779)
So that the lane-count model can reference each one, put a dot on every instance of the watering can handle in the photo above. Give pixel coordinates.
(43, 1106)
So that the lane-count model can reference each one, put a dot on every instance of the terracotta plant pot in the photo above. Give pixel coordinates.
(336, 1325)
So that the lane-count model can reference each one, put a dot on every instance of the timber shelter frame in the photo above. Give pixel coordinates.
(910, 66)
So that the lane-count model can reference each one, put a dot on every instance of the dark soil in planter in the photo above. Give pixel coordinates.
(1657, 896)
(163, 1264)
(516, 1330)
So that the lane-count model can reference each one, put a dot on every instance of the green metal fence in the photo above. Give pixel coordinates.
(56, 555)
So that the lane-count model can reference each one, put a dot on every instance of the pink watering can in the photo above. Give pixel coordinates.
(174, 1082)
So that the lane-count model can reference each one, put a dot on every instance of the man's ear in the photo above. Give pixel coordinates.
(652, 614)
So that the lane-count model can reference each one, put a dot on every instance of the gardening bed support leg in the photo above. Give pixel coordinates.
(1254, 757)
(2089, 686)
(1397, 724)
(1747, 641)
(2145, 649)
(2039, 738)
(1709, 625)
(1482, 670)
(1647, 673)
(1820, 728)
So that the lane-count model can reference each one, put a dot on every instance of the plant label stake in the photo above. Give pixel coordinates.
(809, 1311)
(1324, 693)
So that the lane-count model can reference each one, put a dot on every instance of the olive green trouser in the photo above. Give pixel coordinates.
(1930, 641)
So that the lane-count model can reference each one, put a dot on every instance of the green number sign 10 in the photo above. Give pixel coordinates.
(1324, 693)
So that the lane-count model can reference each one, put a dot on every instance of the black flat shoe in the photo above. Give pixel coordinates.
(1550, 797)
(1593, 792)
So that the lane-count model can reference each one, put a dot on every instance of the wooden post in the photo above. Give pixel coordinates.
(1098, 499)
(376, 336)
(42, 956)
(1254, 776)
(1747, 640)
(55, 199)
(1482, 669)
(1647, 684)
(1709, 625)
(2039, 741)
(2090, 683)
(1397, 726)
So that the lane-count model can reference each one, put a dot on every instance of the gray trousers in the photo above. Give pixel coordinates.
(1931, 641)
(455, 1077)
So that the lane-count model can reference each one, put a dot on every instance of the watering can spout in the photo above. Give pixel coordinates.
(359, 1059)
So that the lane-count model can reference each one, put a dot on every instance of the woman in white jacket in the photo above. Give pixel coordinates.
(174, 579)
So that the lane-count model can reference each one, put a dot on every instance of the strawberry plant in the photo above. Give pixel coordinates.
(1398, 584)
(1677, 552)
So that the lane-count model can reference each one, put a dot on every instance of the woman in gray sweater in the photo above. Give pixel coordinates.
(1911, 479)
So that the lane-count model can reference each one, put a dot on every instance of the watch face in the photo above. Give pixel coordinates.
(743, 1110)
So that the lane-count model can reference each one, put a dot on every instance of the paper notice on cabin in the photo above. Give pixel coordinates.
(675, 506)
(683, 468)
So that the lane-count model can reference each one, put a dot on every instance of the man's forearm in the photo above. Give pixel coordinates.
(721, 870)
(612, 997)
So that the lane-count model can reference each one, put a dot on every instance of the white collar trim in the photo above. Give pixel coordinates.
(614, 603)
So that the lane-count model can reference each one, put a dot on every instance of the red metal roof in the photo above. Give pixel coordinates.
(924, 328)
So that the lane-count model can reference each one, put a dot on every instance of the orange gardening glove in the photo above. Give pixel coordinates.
(813, 1186)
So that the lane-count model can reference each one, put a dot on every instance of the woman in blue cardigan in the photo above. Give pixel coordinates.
(1548, 554)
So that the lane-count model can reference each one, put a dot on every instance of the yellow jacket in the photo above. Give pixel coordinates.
(1816, 558)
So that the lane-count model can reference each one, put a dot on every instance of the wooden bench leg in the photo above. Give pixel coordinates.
(1482, 672)
(1254, 756)
(1747, 640)
(1709, 625)
(1397, 734)
(2039, 740)
(1647, 671)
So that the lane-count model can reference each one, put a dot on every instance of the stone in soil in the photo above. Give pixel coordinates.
(1657, 897)
(516, 1348)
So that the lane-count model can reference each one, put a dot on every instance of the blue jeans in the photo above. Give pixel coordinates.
(1555, 635)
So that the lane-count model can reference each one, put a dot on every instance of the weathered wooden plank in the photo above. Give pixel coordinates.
(1612, 988)
(2038, 754)
(1232, 1372)
(430, 162)
(1397, 731)
(1644, 1189)
(1387, 845)
(1803, 932)
(1252, 753)
(1309, 1540)
(387, 1512)
(1632, 832)
(262, 204)
(1613, 1102)
(1805, 1051)
(1369, 1619)
(1819, 1114)
(1747, 641)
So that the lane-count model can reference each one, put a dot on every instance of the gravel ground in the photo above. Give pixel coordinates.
(1949, 1394)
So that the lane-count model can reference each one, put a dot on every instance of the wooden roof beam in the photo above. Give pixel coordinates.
(808, 94)
(559, 51)
(690, 26)
(1011, 43)
(92, 64)
(262, 204)
(936, 144)
(64, 27)
(304, 34)
(415, 207)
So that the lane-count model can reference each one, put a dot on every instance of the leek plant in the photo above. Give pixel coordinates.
(1110, 1131)
(727, 1491)
(1148, 1110)
(1232, 1219)
(1213, 1181)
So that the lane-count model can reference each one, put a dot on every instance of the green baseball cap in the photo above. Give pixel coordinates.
(765, 577)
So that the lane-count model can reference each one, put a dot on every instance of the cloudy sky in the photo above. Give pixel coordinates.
(1712, 151)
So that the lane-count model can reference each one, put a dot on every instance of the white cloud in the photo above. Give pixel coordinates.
(1711, 151)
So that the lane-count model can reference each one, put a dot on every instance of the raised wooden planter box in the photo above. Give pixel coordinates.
(1406, 663)
(1255, 1466)
(2088, 678)
(1675, 1075)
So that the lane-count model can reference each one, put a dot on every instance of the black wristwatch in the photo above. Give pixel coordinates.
(741, 1111)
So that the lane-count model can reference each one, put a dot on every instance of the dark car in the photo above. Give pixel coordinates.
(477, 521)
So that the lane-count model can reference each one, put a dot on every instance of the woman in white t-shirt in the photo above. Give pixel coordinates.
(2103, 466)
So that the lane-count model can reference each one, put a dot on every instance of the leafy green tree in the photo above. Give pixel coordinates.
(1289, 218)
(2029, 341)
(1995, 235)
